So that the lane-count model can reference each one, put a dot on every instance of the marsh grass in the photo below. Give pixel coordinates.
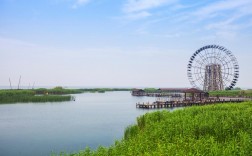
(221, 129)
(21, 96)
(56, 94)
(43, 98)
(60, 90)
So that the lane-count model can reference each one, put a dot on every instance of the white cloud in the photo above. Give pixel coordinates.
(219, 18)
(172, 35)
(140, 5)
(227, 35)
(232, 22)
(214, 9)
(224, 18)
(8, 42)
(139, 9)
(79, 3)
(138, 15)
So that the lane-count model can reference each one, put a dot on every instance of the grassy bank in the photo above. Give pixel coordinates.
(223, 129)
(231, 93)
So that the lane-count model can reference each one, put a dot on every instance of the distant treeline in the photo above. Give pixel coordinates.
(57, 90)
(231, 93)
(47, 95)
(101, 90)
(61, 90)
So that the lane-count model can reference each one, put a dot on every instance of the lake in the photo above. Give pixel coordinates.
(28, 129)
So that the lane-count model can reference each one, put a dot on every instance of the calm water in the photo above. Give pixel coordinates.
(93, 119)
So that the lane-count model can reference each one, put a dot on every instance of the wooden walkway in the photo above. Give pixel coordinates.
(171, 104)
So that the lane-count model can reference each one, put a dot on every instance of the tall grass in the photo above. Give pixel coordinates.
(14, 96)
(43, 98)
(57, 91)
(60, 90)
(47, 95)
(223, 129)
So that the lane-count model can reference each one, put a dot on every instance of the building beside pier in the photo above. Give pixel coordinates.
(138, 92)
(172, 92)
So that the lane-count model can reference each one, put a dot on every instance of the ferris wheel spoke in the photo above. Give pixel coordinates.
(226, 66)
(198, 67)
(202, 63)
(199, 62)
(214, 56)
(209, 56)
(224, 84)
(199, 73)
(223, 59)
(227, 80)
(228, 74)
(204, 57)
(229, 62)
(227, 71)
(199, 79)
(206, 54)
(219, 54)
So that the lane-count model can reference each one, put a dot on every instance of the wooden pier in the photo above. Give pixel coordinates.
(171, 104)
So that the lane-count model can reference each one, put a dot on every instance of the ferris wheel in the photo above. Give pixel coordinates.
(213, 67)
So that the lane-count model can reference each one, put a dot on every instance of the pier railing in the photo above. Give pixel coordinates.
(170, 104)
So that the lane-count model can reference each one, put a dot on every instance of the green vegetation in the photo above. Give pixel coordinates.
(221, 129)
(60, 90)
(57, 91)
(47, 95)
(237, 88)
(232, 93)
(14, 96)
(102, 90)
(43, 98)
(151, 90)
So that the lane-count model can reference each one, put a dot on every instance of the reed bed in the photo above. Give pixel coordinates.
(22, 96)
(47, 95)
(60, 90)
(57, 91)
(43, 98)
(220, 129)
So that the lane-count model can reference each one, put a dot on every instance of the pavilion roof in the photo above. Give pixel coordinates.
(173, 89)
(193, 90)
(136, 89)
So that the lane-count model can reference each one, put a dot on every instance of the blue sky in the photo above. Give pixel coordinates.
(129, 43)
